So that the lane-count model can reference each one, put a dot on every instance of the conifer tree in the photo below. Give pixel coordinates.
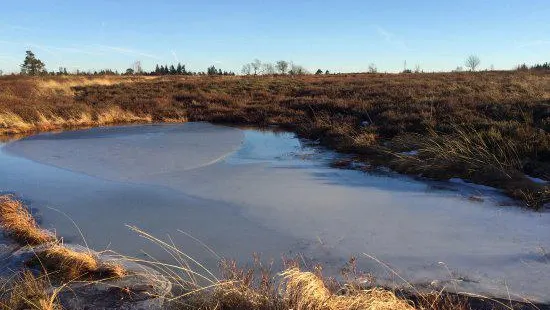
(32, 65)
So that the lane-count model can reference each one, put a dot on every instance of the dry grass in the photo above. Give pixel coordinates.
(254, 288)
(259, 287)
(47, 103)
(306, 291)
(486, 157)
(59, 261)
(66, 265)
(66, 83)
(19, 224)
(29, 292)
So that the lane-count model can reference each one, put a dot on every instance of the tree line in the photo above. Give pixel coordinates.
(33, 66)
(256, 67)
(536, 67)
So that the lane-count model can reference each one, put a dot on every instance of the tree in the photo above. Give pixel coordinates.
(32, 65)
(297, 70)
(256, 65)
(522, 67)
(1, 72)
(137, 67)
(247, 69)
(282, 66)
(372, 68)
(472, 62)
(212, 70)
(268, 69)
(327, 72)
(544, 66)
(129, 71)
(319, 71)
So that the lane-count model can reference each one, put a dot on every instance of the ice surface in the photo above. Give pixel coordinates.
(245, 191)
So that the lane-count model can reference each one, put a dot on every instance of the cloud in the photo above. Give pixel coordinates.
(391, 38)
(127, 51)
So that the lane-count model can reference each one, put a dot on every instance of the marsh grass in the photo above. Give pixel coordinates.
(19, 224)
(485, 157)
(261, 287)
(56, 260)
(28, 291)
(65, 265)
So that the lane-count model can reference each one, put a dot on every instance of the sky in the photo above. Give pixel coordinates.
(336, 35)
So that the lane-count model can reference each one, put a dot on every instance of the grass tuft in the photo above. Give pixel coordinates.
(64, 264)
(19, 224)
(27, 291)
(307, 291)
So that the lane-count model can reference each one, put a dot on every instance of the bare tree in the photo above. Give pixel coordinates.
(247, 69)
(372, 68)
(472, 62)
(1, 72)
(256, 66)
(268, 69)
(297, 70)
(136, 66)
(282, 66)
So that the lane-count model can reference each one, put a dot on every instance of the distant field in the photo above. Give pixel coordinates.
(488, 127)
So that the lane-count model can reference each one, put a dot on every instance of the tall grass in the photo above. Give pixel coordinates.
(54, 258)
(27, 291)
(19, 224)
(487, 157)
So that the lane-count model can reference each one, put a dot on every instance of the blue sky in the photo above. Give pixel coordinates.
(338, 35)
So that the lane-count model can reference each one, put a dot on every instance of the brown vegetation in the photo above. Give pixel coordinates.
(64, 264)
(55, 260)
(305, 290)
(27, 291)
(258, 288)
(19, 224)
(488, 127)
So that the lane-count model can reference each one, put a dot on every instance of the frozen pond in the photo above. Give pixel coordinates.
(245, 191)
